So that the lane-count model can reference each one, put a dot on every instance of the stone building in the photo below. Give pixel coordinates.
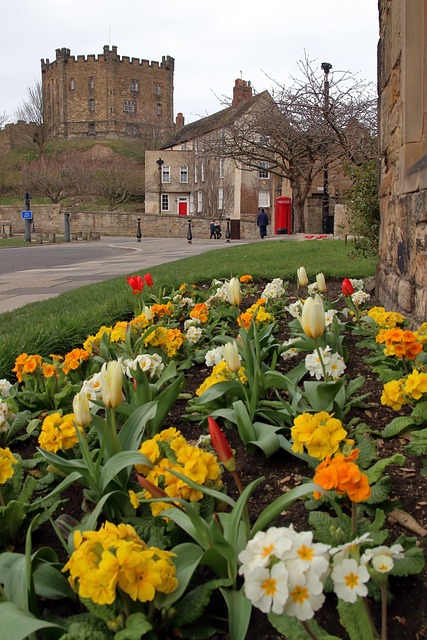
(402, 83)
(107, 96)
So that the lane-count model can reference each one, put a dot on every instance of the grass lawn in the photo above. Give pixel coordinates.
(59, 324)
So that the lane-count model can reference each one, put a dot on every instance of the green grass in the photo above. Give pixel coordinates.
(59, 324)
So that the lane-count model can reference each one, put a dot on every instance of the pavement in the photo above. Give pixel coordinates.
(38, 272)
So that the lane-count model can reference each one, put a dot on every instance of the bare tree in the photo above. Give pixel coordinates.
(3, 119)
(117, 179)
(57, 178)
(302, 128)
(31, 112)
(214, 182)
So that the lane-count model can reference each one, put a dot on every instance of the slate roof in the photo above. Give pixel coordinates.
(219, 120)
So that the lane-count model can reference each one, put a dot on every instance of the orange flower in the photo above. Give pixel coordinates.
(342, 475)
(245, 278)
(400, 343)
(73, 359)
(200, 311)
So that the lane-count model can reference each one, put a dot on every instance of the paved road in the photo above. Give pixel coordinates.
(38, 272)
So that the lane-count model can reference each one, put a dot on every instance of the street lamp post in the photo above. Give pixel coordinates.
(160, 164)
(326, 67)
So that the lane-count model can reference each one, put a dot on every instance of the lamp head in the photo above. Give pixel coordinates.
(326, 67)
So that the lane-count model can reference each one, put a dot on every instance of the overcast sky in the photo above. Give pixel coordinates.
(213, 42)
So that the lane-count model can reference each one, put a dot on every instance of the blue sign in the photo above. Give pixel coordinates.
(27, 215)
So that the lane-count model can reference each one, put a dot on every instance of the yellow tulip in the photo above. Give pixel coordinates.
(313, 317)
(81, 409)
(302, 277)
(231, 355)
(111, 381)
(321, 282)
(233, 291)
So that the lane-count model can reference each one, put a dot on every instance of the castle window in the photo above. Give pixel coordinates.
(166, 174)
(132, 130)
(91, 104)
(183, 174)
(129, 106)
(165, 202)
(91, 131)
(72, 84)
(159, 109)
(134, 85)
(156, 89)
(263, 171)
(91, 83)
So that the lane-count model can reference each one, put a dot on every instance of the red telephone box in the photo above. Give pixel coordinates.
(283, 215)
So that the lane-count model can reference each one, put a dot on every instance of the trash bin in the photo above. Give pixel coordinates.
(282, 232)
(235, 229)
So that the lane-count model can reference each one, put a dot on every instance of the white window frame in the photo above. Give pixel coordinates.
(91, 104)
(263, 199)
(200, 201)
(72, 84)
(134, 85)
(166, 174)
(263, 172)
(183, 174)
(220, 198)
(221, 167)
(91, 83)
(202, 168)
(165, 200)
(196, 174)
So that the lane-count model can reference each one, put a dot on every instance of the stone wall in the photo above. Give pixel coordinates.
(48, 219)
(402, 82)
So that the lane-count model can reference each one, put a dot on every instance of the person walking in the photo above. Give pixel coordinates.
(212, 230)
(217, 229)
(262, 222)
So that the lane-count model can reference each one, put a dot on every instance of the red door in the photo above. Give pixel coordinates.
(182, 208)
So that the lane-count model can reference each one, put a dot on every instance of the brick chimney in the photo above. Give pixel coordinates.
(242, 91)
(180, 120)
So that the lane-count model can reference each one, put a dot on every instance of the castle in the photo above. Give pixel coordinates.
(107, 95)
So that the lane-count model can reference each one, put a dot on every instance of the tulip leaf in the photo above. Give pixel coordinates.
(266, 438)
(18, 624)
(244, 423)
(118, 462)
(131, 433)
(187, 558)
(239, 613)
(215, 391)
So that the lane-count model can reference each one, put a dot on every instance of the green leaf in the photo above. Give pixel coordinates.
(354, 618)
(244, 423)
(50, 583)
(266, 438)
(217, 390)
(420, 410)
(380, 491)
(398, 425)
(120, 461)
(137, 625)
(193, 605)
(412, 563)
(239, 613)
(292, 629)
(187, 558)
(131, 433)
(18, 624)
(375, 472)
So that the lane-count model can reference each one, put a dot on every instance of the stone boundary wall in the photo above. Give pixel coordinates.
(48, 219)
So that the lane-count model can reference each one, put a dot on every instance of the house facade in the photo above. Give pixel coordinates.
(189, 176)
(107, 96)
(402, 82)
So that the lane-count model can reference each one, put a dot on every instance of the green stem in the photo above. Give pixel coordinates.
(369, 615)
(1, 499)
(309, 631)
(384, 611)
(325, 375)
(353, 518)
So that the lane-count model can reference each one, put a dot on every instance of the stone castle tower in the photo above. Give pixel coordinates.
(107, 96)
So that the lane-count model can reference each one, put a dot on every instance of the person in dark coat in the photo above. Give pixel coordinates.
(262, 222)
(217, 229)
(212, 230)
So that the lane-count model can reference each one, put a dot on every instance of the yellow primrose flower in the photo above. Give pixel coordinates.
(6, 462)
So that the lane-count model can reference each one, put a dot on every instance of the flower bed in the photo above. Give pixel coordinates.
(173, 528)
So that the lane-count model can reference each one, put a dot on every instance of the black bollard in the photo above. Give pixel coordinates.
(138, 231)
(67, 237)
(227, 231)
(189, 232)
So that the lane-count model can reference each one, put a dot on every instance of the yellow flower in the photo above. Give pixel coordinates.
(415, 385)
(6, 462)
(320, 433)
(392, 395)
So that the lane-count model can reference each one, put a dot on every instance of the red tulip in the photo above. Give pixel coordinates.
(221, 446)
(136, 283)
(153, 489)
(148, 280)
(346, 287)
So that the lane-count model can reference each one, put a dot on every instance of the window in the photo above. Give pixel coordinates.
(165, 202)
(134, 85)
(263, 199)
(221, 167)
(199, 201)
(156, 89)
(91, 83)
(196, 173)
(91, 104)
(91, 131)
(221, 198)
(203, 171)
(132, 130)
(166, 174)
(183, 174)
(72, 84)
(263, 171)
(129, 106)
(159, 109)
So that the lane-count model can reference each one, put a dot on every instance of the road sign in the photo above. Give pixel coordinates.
(27, 215)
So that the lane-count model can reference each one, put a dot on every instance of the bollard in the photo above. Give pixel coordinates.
(10, 231)
(227, 231)
(52, 237)
(67, 237)
(189, 232)
(138, 231)
(39, 238)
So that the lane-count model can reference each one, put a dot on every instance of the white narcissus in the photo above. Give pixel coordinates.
(112, 379)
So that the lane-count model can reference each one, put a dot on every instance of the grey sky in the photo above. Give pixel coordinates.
(213, 43)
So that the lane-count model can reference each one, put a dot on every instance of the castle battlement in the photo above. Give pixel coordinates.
(64, 56)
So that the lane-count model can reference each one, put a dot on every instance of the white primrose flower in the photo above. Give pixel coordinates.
(350, 579)
(345, 550)
(295, 309)
(150, 364)
(305, 595)
(6, 417)
(357, 284)
(194, 334)
(335, 366)
(359, 297)
(313, 362)
(312, 288)
(329, 317)
(5, 386)
(382, 558)
(274, 289)
(214, 356)
(191, 322)
(264, 545)
(307, 555)
(92, 387)
(291, 351)
(267, 589)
